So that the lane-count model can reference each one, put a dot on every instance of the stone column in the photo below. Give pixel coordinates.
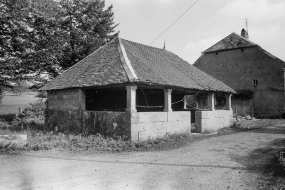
(229, 101)
(211, 101)
(131, 99)
(167, 100)
(185, 102)
(81, 101)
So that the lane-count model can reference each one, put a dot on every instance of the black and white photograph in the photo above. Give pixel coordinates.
(142, 95)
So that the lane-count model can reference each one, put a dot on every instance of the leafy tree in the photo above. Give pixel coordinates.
(14, 39)
(46, 35)
(84, 26)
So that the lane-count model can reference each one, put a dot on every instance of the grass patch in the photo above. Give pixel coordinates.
(41, 140)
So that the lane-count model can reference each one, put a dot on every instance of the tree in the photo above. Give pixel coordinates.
(14, 39)
(84, 26)
(45, 35)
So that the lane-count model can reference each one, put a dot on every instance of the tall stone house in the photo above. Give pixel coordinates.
(254, 73)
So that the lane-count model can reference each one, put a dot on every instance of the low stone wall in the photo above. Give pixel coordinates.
(150, 125)
(211, 121)
(76, 121)
(108, 123)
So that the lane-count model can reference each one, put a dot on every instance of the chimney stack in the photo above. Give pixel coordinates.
(244, 33)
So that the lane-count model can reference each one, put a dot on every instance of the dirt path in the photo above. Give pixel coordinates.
(215, 163)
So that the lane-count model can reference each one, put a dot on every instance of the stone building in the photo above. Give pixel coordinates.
(134, 91)
(254, 73)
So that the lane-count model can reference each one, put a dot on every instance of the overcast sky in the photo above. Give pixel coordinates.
(202, 26)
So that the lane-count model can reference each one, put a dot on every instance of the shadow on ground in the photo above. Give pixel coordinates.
(271, 129)
(264, 161)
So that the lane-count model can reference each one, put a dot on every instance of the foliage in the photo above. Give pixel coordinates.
(3, 124)
(38, 139)
(34, 111)
(84, 27)
(49, 36)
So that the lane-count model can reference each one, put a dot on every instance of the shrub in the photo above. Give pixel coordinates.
(35, 111)
(3, 125)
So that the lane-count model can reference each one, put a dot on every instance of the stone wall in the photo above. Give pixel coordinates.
(63, 114)
(150, 125)
(211, 121)
(63, 99)
(238, 69)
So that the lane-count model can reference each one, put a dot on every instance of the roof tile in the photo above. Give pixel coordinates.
(232, 41)
(151, 65)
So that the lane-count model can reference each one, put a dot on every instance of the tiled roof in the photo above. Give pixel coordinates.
(122, 61)
(100, 68)
(232, 41)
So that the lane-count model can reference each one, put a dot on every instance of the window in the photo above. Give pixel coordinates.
(217, 53)
(255, 82)
(242, 49)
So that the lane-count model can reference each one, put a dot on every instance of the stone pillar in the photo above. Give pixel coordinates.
(211, 101)
(131, 99)
(229, 101)
(185, 102)
(167, 100)
(82, 100)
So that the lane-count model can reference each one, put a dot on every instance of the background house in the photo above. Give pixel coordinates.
(135, 91)
(255, 74)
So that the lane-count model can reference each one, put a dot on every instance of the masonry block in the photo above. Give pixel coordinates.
(138, 126)
(134, 117)
(152, 116)
(179, 116)
(178, 127)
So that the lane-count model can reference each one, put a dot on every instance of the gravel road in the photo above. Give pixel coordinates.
(213, 163)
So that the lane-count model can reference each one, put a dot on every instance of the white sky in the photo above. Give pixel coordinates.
(202, 26)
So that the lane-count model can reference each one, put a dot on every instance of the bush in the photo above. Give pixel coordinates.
(35, 111)
(3, 125)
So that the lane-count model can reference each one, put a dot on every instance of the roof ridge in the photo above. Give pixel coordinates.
(220, 41)
(142, 44)
(126, 62)
(243, 38)
(217, 42)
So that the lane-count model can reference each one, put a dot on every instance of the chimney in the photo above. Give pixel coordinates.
(244, 33)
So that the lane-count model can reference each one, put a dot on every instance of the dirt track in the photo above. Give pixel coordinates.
(214, 163)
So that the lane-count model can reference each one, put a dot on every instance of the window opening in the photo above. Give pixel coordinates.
(255, 82)
(149, 100)
(220, 101)
(202, 101)
(217, 53)
(177, 101)
(106, 99)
